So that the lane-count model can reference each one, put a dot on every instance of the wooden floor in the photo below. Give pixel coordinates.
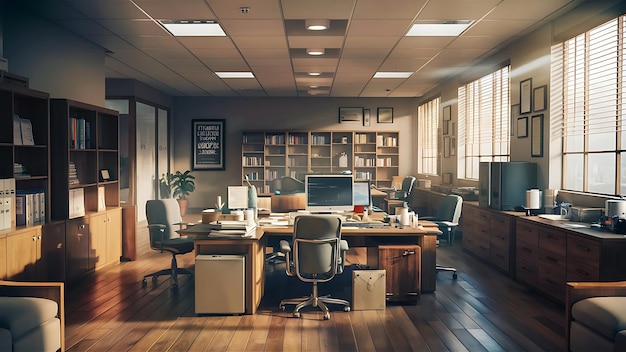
(483, 310)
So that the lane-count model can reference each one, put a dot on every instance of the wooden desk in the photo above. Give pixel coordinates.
(372, 237)
(253, 248)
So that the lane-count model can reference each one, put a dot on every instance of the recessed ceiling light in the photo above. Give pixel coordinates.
(438, 28)
(393, 74)
(314, 86)
(314, 73)
(317, 25)
(315, 51)
(193, 28)
(234, 74)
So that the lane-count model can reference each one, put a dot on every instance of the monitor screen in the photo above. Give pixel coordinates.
(329, 193)
(362, 193)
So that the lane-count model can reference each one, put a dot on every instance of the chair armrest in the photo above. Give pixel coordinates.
(343, 246)
(445, 223)
(289, 265)
(157, 226)
(54, 291)
(284, 246)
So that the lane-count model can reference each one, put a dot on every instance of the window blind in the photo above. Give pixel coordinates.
(427, 146)
(483, 122)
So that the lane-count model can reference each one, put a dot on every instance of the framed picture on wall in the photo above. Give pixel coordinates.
(208, 144)
(536, 146)
(525, 88)
(385, 115)
(350, 115)
(539, 98)
(366, 117)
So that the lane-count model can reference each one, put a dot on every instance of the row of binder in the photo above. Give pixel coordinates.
(30, 207)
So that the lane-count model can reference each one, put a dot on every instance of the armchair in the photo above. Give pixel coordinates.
(318, 254)
(163, 220)
(595, 316)
(32, 316)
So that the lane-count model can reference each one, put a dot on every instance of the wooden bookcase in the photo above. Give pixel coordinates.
(97, 153)
(32, 106)
(271, 155)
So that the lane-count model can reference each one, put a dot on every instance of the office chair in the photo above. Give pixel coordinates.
(447, 218)
(318, 255)
(399, 197)
(163, 220)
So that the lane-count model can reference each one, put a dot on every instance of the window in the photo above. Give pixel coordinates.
(587, 77)
(427, 124)
(483, 122)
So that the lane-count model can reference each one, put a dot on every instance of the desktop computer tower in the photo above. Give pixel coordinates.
(503, 185)
(220, 284)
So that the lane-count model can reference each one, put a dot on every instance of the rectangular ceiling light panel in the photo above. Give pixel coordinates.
(193, 28)
(438, 29)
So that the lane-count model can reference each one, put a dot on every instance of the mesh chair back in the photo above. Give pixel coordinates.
(163, 212)
(450, 208)
(316, 246)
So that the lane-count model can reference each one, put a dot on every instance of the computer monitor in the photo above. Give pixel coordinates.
(329, 193)
(361, 193)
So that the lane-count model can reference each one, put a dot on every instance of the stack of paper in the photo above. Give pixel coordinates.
(232, 228)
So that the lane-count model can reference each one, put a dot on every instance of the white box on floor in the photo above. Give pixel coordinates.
(368, 289)
(220, 284)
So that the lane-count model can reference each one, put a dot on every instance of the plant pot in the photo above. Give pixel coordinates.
(183, 204)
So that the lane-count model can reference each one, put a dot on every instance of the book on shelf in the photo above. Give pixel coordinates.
(17, 130)
(22, 131)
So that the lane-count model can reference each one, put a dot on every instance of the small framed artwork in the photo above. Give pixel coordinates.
(447, 113)
(350, 115)
(525, 98)
(385, 115)
(452, 146)
(536, 146)
(539, 98)
(446, 147)
(514, 117)
(522, 127)
(366, 117)
(104, 175)
(446, 128)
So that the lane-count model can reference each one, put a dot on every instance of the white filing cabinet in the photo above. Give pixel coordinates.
(220, 284)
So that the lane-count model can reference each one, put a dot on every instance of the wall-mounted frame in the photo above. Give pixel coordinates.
(367, 117)
(446, 128)
(447, 113)
(385, 115)
(446, 147)
(208, 138)
(536, 146)
(525, 98)
(350, 115)
(514, 117)
(539, 98)
(522, 127)
(452, 146)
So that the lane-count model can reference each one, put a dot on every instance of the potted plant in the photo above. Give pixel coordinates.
(182, 183)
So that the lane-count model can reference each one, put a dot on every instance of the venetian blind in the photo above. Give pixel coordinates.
(427, 125)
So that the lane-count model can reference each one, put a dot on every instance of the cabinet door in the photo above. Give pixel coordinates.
(3, 257)
(114, 235)
(52, 264)
(98, 232)
(23, 253)
(77, 250)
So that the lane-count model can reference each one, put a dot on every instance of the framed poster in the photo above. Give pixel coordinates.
(525, 88)
(385, 115)
(350, 115)
(208, 144)
(522, 127)
(539, 98)
(536, 147)
(447, 113)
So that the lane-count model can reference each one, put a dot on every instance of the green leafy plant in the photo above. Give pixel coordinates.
(182, 183)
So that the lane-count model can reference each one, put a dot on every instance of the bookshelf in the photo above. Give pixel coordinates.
(271, 155)
(85, 157)
(26, 160)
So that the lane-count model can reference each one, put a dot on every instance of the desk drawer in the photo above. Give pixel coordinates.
(553, 241)
(578, 271)
(583, 250)
(483, 217)
(500, 258)
(526, 270)
(527, 233)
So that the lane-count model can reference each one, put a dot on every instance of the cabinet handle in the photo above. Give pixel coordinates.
(581, 271)
(34, 238)
(82, 226)
(552, 259)
(39, 237)
(584, 248)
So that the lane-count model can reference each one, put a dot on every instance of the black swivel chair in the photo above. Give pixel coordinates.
(399, 197)
(318, 254)
(163, 221)
(447, 218)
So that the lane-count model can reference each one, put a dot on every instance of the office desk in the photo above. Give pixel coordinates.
(253, 248)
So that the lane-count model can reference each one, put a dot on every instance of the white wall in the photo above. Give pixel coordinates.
(313, 113)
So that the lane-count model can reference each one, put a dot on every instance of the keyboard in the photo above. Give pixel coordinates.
(363, 224)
